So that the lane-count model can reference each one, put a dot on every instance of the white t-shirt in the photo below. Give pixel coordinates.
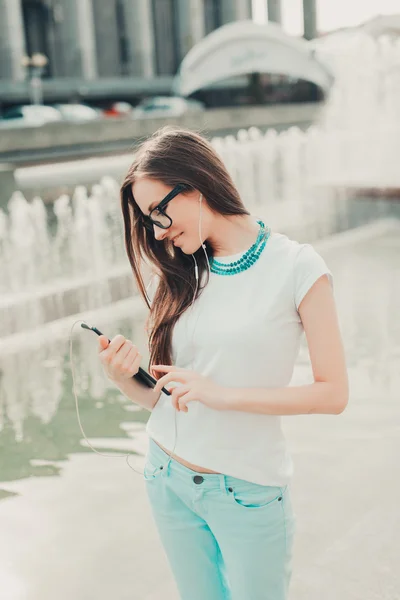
(246, 333)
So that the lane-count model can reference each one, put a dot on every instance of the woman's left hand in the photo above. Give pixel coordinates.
(195, 387)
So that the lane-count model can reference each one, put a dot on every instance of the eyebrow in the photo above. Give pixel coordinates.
(152, 205)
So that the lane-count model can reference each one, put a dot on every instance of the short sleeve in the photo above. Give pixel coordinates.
(309, 266)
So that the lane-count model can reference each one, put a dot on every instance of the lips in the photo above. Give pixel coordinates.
(176, 237)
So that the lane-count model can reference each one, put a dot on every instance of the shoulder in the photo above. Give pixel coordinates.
(302, 263)
(292, 252)
(283, 249)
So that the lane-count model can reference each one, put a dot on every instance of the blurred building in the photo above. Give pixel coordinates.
(97, 48)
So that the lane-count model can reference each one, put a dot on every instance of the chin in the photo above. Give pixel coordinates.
(182, 249)
(188, 248)
(192, 248)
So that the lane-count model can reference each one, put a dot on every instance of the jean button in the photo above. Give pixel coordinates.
(198, 479)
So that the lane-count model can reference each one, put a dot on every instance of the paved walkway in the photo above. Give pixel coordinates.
(88, 534)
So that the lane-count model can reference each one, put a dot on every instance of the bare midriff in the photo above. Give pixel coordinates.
(185, 462)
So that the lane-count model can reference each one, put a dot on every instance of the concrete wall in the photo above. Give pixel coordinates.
(60, 135)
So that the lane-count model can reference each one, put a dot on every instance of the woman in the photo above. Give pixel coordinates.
(218, 470)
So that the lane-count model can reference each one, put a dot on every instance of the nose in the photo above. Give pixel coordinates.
(159, 232)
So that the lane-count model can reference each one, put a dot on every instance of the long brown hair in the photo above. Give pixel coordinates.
(173, 155)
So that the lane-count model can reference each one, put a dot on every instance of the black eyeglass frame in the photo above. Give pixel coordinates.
(149, 222)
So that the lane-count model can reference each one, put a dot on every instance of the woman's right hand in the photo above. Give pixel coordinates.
(120, 358)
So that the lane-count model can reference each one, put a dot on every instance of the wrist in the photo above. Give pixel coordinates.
(227, 395)
(121, 382)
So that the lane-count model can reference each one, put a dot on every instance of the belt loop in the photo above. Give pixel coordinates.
(222, 483)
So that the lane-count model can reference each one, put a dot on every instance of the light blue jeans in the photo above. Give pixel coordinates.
(225, 538)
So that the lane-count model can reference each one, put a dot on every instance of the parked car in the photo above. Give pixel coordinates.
(166, 106)
(78, 113)
(30, 115)
(118, 109)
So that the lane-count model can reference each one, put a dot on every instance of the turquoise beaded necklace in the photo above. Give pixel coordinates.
(249, 257)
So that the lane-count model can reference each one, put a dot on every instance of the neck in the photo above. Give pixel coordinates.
(232, 235)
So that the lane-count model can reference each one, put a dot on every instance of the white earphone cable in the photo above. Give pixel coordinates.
(126, 456)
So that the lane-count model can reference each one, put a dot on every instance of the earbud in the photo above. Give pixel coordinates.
(196, 269)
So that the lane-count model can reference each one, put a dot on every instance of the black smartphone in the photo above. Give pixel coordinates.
(142, 375)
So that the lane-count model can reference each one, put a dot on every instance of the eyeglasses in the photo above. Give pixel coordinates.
(157, 215)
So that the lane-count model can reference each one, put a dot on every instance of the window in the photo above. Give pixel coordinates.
(37, 23)
(13, 113)
(167, 44)
(123, 45)
(212, 15)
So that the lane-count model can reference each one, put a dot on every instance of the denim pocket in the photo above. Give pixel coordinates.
(253, 495)
(152, 468)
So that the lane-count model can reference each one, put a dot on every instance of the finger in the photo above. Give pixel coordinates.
(161, 368)
(181, 377)
(122, 353)
(184, 401)
(108, 354)
(157, 388)
(174, 397)
(103, 343)
(159, 385)
(130, 361)
(167, 368)
(178, 391)
(162, 381)
(117, 342)
(177, 394)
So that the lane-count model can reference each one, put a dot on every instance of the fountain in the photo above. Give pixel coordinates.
(359, 128)
(67, 261)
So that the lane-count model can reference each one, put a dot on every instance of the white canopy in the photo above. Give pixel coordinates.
(246, 47)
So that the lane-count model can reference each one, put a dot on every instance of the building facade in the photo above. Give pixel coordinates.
(94, 39)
